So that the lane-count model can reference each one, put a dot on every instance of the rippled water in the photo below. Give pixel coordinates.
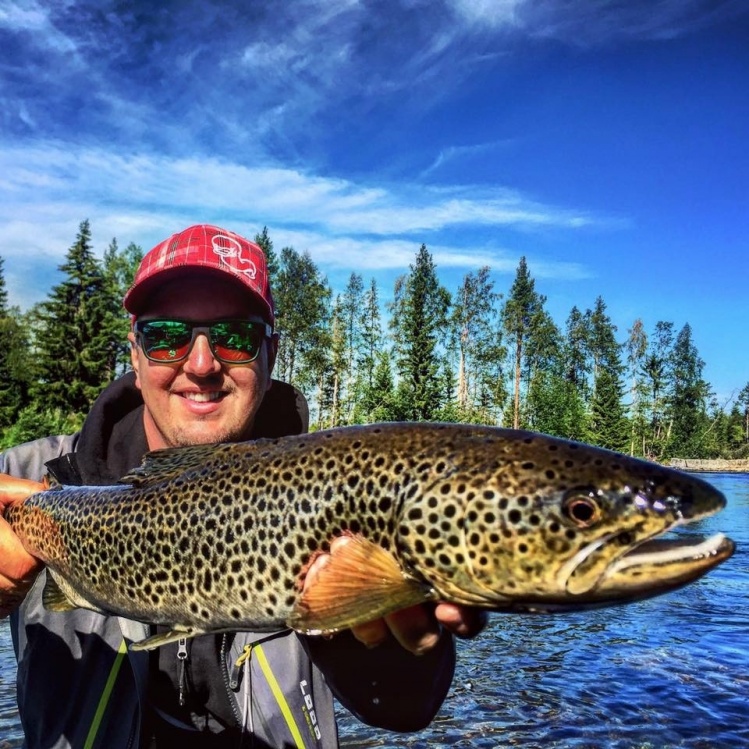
(668, 673)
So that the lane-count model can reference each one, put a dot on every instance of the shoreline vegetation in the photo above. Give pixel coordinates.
(475, 354)
(718, 465)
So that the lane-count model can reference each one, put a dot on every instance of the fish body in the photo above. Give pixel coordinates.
(218, 538)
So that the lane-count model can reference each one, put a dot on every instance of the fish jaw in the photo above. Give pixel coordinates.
(659, 566)
(645, 515)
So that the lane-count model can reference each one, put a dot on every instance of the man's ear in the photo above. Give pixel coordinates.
(272, 354)
(134, 358)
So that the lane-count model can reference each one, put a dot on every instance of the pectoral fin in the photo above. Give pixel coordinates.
(361, 582)
(164, 638)
(59, 596)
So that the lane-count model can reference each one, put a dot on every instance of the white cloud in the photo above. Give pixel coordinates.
(492, 13)
(142, 198)
(276, 194)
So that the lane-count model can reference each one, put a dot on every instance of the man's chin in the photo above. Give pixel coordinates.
(205, 434)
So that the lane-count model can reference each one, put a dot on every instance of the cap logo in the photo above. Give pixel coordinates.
(232, 255)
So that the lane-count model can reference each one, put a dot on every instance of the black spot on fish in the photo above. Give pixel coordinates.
(514, 516)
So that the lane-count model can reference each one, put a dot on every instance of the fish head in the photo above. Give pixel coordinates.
(547, 524)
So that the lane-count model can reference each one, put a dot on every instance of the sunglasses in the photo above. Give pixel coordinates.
(231, 341)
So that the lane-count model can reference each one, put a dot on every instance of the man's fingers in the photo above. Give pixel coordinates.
(371, 633)
(415, 628)
(462, 621)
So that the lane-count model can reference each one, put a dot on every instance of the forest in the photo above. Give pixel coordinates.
(474, 354)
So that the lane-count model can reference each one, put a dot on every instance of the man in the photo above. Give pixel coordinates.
(202, 353)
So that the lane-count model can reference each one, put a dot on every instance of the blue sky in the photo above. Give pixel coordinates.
(607, 142)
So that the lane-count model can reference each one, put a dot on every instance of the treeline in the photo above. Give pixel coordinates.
(473, 355)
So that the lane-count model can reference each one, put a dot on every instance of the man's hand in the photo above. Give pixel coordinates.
(18, 569)
(418, 628)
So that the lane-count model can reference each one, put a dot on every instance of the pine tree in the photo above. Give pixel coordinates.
(480, 389)
(637, 347)
(688, 402)
(74, 328)
(119, 269)
(380, 401)
(265, 243)
(608, 423)
(577, 352)
(657, 380)
(337, 376)
(419, 323)
(16, 364)
(370, 350)
(518, 315)
(743, 402)
(302, 299)
(352, 314)
(3, 290)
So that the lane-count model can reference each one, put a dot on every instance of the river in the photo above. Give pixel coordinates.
(668, 673)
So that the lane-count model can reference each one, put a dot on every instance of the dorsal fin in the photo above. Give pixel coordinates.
(166, 464)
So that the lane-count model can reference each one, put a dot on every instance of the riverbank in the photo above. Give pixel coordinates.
(710, 466)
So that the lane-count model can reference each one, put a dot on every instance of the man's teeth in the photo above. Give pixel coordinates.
(203, 397)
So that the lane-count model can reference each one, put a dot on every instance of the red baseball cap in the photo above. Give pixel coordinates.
(202, 246)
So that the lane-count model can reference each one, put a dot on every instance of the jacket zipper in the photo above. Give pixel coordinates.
(231, 682)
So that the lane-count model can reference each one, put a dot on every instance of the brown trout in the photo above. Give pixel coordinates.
(217, 538)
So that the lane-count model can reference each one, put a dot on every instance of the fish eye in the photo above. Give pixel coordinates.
(581, 508)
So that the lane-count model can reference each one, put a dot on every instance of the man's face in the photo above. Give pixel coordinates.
(200, 399)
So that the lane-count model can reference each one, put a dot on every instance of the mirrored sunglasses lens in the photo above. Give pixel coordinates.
(236, 341)
(166, 340)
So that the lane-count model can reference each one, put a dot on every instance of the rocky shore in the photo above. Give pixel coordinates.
(711, 466)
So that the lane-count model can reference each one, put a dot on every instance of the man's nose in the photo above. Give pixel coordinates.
(200, 360)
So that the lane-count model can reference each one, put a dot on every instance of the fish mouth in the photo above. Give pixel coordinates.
(658, 565)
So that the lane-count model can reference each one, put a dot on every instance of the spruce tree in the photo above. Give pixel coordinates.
(474, 320)
(265, 243)
(637, 347)
(119, 271)
(302, 299)
(419, 323)
(518, 313)
(608, 423)
(743, 401)
(657, 382)
(73, 340)
(16, 364)
(688, 401)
